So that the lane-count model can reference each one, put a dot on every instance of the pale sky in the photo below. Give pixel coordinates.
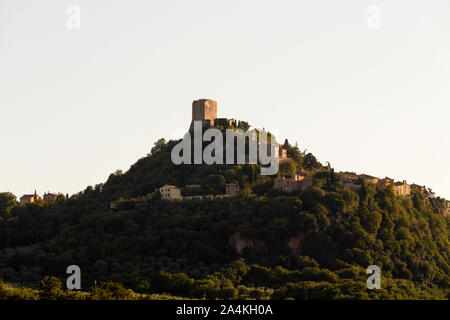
(368, 92)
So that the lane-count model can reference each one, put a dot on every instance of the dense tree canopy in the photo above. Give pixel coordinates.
(304, 245)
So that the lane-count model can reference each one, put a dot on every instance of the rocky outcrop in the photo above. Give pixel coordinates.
(295, 243)
(238, 243)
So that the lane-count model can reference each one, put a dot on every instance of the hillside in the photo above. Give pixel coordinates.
(263, 243)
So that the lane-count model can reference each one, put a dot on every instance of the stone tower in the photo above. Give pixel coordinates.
(204, 110)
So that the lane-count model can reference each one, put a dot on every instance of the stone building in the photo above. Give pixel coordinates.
(50, 196)
(402, 188)
(231, 189)
(369, 178)
(349, 177)
(350, 181)
(204, 110)
(292, 182)
(170, 193)
(447, 211)
(286, 185)
(30, 198)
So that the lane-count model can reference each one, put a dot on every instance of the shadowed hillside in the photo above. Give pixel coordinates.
(263, 243)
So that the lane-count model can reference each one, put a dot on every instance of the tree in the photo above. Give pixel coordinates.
(288, 167)
(293, 152)
(216, 183)
(7, 202)
(159, 146)
(244, 194)
(50, 288)
(370, 220)
(110, 290)
(310, 162)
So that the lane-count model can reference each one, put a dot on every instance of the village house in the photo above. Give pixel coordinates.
(369, 178)
(231, 189)
(288, 183)
(292, 182)
(349, 177)
(402, 188)
(170, 193)
(29, 198)
(350, 181)
(51, 196)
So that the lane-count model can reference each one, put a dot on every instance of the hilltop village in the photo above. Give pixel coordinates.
(291, 177)
(228, 231)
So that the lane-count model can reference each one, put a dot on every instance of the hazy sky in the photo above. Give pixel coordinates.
(362, 84)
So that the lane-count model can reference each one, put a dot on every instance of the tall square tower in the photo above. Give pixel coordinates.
(203, 110)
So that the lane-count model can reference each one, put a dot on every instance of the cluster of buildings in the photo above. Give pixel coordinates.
(289, 183)
(205, 110)
(173, 193)
(31, 198)
(169, 192)
(351, 181)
